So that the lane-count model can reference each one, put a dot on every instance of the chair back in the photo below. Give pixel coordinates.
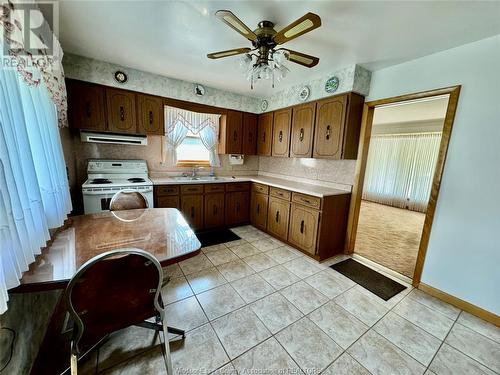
(128, 199)
(112, 291)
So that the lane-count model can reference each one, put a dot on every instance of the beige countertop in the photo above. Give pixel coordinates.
(299, 187)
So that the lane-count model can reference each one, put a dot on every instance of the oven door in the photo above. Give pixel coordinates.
(97, 201)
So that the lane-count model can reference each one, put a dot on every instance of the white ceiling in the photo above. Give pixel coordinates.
(172, 38)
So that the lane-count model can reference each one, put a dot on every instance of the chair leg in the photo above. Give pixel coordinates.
(166, 343)
(73, 361)
(177, 331)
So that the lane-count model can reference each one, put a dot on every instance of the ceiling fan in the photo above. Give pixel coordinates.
(264, 60)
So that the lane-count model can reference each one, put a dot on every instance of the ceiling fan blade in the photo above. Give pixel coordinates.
(236, 24)
(229, 52)
(301, 58)
(304, 24)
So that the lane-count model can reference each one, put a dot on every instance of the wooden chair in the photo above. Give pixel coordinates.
(128, 199)
(113, 291)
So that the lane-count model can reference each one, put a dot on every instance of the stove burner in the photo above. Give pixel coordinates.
(100, 181)
(136, 180)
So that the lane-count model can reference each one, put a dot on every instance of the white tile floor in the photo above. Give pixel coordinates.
(258, 306)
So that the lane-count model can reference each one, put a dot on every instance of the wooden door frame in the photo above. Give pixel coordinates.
(359, 177)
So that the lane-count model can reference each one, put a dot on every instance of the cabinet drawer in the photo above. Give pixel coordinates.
(307, 200)
(168, 201)
(259, 188)
(167, 190)
(192, 189)
(214, 188)
(280, 193)
(238, 186)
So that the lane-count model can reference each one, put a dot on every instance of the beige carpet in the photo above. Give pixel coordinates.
(389, 236)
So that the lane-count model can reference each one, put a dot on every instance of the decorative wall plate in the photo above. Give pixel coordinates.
(199, 90)
(120, 77)
(332, 84)
(263, 105)
(304, 93)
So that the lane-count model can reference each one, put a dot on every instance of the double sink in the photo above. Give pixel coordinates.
(201, 178)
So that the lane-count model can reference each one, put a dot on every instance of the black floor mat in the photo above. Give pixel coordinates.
(215, 237)
(375, 282)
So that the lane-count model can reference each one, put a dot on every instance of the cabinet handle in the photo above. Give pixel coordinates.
(250, 136)
(237, 206)
(150, 117)
(88, 111)
(277, 216)
(301, 134)
(302, 227)
(328, 132)
(264, 137)
(281, 136)
(122, 113)
(215, 209)
(258, 207)
(235, 136)
(192, 212)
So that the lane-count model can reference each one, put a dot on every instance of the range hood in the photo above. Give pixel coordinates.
(117, 139)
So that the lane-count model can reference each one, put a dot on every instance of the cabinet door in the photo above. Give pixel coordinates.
(169, 201)
(264, 133)
(249, 133)
(302, 130)
(237, 207)
(329, 131)
(281, 132)
(214, 210)
(303, 228)
(150, 115)
(234, 132)
(258, 210)
(121, 111)
(85, 106)
(278, 216)
(192, 209)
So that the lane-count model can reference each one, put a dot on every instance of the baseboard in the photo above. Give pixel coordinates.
(461, 304)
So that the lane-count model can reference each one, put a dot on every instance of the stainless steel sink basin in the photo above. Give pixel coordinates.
(199, 178)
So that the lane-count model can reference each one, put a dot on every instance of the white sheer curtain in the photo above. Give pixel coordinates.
(34, 193)
(178, 122)
(400, 169)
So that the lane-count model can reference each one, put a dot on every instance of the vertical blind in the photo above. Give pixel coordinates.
(400, 169)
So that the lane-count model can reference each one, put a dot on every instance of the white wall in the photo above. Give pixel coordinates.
(463, 257)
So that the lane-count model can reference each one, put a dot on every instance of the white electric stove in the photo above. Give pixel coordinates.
(106, 177)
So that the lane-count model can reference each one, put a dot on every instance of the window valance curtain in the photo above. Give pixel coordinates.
(34, 69)
(179, 122)
(400, 169)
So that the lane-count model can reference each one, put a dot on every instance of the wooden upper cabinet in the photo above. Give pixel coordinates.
(249, 134)
(302, 130)
(338, 123)
(330, 121)
(281, 132)
(150, 115)
(264, 133)
(121, 111)
(231, 133)
(85, 105)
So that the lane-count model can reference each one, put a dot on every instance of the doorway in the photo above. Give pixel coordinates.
(398, 173)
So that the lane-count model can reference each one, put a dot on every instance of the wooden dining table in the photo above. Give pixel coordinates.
(163, 232)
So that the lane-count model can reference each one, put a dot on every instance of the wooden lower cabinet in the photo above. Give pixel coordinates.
(258, 210)
(192, 209)
(303, 228)
(214, 210)
(169, 201)
(237, 207)
(278, 215)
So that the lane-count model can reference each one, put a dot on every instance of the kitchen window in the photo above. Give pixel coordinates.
(192, 151)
